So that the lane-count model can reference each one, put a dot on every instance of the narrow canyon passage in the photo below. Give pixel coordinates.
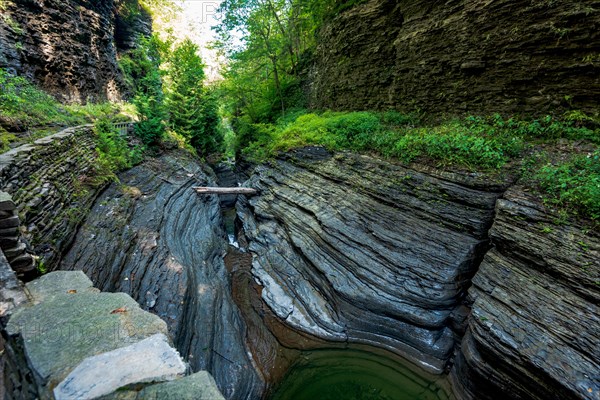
(337, 255)
(153, 237)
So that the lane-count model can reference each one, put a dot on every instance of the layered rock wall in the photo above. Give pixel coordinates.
(349, 248)
(69, 48)
(460, 57)
(153, 237)
(534, 328)
(50, 182)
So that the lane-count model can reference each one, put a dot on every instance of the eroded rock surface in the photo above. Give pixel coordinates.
(153, 237)
(534, 329)
(459, 57)
(67, 47)
(351, 248)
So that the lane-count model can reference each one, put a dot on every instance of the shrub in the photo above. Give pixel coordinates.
(473, 144)
(574, 184)
(113, 150)
(23, 104)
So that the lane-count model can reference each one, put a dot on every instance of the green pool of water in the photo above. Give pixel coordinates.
(357, 375)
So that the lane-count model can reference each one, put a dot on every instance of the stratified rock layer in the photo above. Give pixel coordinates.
(351, 248)
(153, 237)
(460, 57)
(50, 183)
(534, 328)
(67, 47)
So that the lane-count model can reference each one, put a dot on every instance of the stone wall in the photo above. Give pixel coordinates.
(70, 341)
(50, 181)
(11, 242)
(460, 57)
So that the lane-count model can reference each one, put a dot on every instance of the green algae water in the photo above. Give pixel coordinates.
(357, 375)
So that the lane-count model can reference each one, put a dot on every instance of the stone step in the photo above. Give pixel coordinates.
(23, 263)
(9, 232)
(6, 202)
(10, 222)
(150, 360)
(7, 214)
(14, 252)
(8, 242)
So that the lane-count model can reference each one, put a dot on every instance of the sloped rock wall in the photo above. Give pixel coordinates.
(153, 237)
(460, 57)
(351, 248)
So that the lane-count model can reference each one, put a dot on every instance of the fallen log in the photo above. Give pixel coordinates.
(224, 190)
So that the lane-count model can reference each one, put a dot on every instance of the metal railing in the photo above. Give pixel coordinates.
(124, 127)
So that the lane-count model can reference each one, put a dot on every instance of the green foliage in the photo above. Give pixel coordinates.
(389, 134)
(193, 108)
(574, 125)
(5, 139)
(113, 150)
(141, 68)
(457, 145)
(41, 266)
(573, 185)
(11, 23)
(23, 104)
(262, 79)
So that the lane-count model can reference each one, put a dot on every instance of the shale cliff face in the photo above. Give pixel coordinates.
(154, 238)
(460, 56)
(66, 47)
(349, 248)
(533, 332)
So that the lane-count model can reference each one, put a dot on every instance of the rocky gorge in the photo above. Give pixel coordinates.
(459, 273)
(410, 279)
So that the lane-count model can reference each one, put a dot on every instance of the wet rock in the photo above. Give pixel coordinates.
(352, 248)
(533, 332)
(164, 246)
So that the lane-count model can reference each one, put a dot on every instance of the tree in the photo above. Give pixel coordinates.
(141, 69)
(263, 73)
(194, 110)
